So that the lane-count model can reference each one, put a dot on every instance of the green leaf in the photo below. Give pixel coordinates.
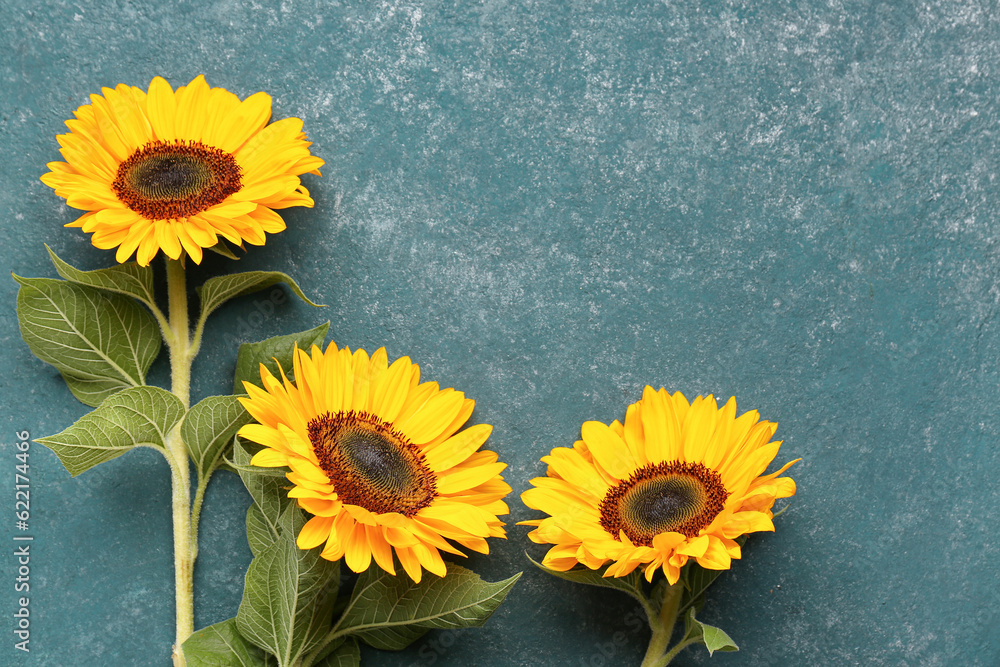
(630, 583)
(221, 645)
(390, 612)
(288, 597)
(128, 279)
(209, 429)
(347, 654)
(713, 638)
(101, 343)
(271, 352)
(137, 417)
(261, 532)
(267, 486)
(216, 291)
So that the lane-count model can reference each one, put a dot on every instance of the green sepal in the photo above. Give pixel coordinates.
(136, 417)
(222, 248)
(221, 645)
(630, 583)
(99, 342)
(209, 429)
(216, 291)
(289, 595)
(271, 353)
(129, 279)
(711, 637)
(391, 611)
(346, 654)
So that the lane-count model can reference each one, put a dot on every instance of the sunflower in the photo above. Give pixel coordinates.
(377, 457)
(175, 170)
(677, 480)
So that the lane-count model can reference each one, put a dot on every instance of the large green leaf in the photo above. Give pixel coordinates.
(216, 291)
(136, 417)
(101, 343)
(347, 654)
(269, 490)
(221, 645)
(630, 583)
(390, 612)
(271, 353)
(713, 638)
(261, 531)
(289, 595)
(129, 279)
(209, 429)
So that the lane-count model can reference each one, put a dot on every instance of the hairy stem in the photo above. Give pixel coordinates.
(672, 653)
(662, 624)
(180, 380)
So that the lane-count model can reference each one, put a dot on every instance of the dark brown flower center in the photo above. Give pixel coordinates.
(167, 180)
(371, 464)
(676, 497)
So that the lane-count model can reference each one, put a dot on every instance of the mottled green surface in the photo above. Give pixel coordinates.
(548, 206)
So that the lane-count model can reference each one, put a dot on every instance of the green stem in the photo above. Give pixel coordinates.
(199, 498)
(180, 345)
(308, 660)
(662, 625)
(672, 653)
(318, 652)
(179, 342)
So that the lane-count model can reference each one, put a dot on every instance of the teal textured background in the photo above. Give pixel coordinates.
(548, 206)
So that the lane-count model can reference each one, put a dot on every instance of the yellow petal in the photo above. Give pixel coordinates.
(358, 555)
(381, 551)
(430, 558)
(715, 557)
(429, 421)
(609, 450)
(694, 547)
(410, 563)
(252, 114)
(315, 532)
(457, 448)
(269, 458)
(460, 479)
(161, 107)
(390, 389)
(460, 516)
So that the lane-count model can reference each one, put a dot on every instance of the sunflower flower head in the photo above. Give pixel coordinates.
(379, 459)
(677, 480)
(175, 170)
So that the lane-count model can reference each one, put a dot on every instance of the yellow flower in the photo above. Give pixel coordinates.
(677, 480)
(175, 170)
(377, 457)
